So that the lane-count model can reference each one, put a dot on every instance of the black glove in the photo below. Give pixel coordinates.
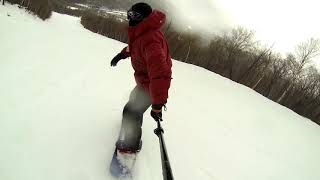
(156, 112)
(117, 58)
(156, 115)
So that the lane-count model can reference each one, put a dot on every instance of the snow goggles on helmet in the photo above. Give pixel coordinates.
(133, 15)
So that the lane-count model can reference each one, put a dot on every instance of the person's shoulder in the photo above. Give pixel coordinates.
(153, 36)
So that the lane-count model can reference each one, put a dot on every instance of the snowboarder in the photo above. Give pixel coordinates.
(151, 61)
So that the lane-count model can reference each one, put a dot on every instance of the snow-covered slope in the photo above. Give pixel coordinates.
(61, 106)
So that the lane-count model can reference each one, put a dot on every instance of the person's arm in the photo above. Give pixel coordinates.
(125, 53)
(159, 74)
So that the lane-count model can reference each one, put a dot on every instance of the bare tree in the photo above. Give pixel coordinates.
(257, 62)
(262, 67)
(305, 52)
(279, 71)
(2, 2)
(308, 50)
(304, 92)
(239, 40)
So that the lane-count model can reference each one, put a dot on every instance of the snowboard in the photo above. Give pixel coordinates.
(122, 165)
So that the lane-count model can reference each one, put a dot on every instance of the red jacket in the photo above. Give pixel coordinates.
(150, 57)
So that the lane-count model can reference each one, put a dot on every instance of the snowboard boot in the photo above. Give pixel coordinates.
(123, 159)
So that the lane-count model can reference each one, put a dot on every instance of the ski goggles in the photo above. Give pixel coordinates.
(133, 15)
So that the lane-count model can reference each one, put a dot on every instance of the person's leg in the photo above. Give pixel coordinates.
(132, 118)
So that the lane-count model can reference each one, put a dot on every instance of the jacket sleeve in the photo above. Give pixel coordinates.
(125, 52)
(159, 71)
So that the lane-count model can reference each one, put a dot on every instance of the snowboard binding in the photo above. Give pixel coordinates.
(123, 160)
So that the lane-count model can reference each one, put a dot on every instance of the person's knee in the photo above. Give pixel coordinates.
(126, 108)
(129, 110)
(131, 114)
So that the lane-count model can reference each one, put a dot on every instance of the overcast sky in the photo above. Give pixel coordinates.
(283, 22)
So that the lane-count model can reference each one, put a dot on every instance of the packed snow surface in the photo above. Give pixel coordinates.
(61, 105)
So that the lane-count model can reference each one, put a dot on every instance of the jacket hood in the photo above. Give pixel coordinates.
(154, 21)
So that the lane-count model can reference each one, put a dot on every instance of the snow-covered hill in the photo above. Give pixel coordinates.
(61, 106)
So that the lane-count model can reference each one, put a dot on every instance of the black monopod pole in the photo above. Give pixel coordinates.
(166, 168)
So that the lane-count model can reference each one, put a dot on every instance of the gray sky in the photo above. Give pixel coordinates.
(282, 22)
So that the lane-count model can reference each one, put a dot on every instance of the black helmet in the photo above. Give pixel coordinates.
(138, 12)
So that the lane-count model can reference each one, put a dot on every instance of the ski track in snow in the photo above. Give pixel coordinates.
(61, 106)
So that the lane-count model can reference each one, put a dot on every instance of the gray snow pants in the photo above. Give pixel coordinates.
(132, 118)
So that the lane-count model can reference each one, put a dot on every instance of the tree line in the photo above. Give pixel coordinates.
(41, 8)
